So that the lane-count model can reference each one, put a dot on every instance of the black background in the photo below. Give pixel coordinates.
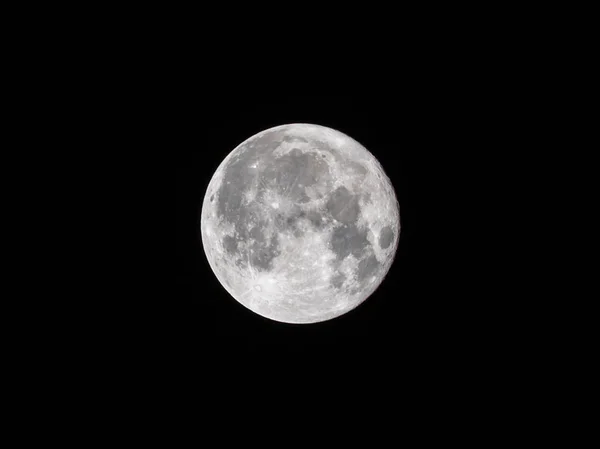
(434, 311)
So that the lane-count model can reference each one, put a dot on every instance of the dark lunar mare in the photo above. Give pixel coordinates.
(292, 221)
(348, 239)
(386, 236)
(343, 206)
(367, 267)
(288, 175)
(230, 244)
(291, 173)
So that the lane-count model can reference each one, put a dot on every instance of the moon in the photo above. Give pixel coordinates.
(300, 224)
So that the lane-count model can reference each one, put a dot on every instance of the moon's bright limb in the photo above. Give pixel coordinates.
(300, 223)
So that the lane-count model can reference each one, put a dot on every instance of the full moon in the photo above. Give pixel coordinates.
(300, 223)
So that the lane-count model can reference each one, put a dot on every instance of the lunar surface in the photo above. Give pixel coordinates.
(300, 224)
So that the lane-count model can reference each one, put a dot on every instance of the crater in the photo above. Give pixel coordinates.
(386, 236)
(256, 233)
(356, 167)
(337, 280)
(298, 232)
(290, 222)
